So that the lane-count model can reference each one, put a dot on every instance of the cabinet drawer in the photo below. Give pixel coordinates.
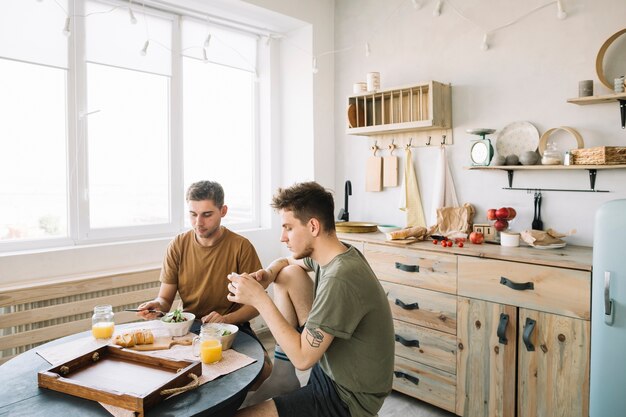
(428, 384)
(549, 289)
(425, 308)
(434, 271)
(426, 346)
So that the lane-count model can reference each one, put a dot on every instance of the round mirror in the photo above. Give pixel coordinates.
(611, 59)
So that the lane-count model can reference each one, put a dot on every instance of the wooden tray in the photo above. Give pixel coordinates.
(119, 377)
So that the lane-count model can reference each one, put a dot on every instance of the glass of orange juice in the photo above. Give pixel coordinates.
(102, 323)
(208, 346)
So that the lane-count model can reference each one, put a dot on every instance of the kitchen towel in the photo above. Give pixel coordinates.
(410, 200)
(444, 194)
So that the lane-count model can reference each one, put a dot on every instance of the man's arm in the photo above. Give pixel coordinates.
(163, 302)
(268, 275)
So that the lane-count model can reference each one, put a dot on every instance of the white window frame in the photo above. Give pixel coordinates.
(80, 232)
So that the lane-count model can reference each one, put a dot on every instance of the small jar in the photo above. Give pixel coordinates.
(551, 156)
(208, 346)
(567, 159)
(102, 322)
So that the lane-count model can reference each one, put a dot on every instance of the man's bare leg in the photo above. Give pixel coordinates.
(293, 296)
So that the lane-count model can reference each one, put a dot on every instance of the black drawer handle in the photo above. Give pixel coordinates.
(517, 286)
(504, 321)
(407, 268)
(408, 377)
(412, 306)
(408, 343)
(528, 330)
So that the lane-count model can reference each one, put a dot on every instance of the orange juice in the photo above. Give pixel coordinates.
(210, 351)
(103, 329)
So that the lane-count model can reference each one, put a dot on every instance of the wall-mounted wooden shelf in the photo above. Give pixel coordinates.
(510, 169)
(608, 98)
(419, 107)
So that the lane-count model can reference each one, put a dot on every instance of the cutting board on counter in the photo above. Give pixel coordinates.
(162, 343)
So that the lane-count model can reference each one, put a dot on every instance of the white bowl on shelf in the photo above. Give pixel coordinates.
(180, 328)
(388, 228)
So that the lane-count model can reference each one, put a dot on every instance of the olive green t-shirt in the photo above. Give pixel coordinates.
(351, 305)
(200, 271)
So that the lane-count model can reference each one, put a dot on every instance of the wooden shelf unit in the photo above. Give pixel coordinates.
(607, 98)
(424, 106)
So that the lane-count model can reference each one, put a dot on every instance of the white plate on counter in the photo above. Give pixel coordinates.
(553, 246)
(517, 138)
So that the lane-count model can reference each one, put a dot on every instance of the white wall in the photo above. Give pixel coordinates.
(531, 69)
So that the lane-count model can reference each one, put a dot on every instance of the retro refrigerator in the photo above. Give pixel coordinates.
(608, 316)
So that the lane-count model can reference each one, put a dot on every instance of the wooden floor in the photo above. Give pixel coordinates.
(396, 404)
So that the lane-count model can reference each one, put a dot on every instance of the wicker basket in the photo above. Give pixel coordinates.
(601, 155)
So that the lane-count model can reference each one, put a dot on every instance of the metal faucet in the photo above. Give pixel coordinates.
(344, 215)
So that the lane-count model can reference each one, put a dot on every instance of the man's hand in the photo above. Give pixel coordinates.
(213, 317)
(150, 305)
(263, 277)
(245, 289)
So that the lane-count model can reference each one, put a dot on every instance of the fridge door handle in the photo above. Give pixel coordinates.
(609, 311)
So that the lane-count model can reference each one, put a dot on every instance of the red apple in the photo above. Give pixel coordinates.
(476, 238)
(502, 213)
(512, 213)
(501, 225)
(491, 214)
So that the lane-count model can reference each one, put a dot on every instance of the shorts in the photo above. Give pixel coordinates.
(316, 399)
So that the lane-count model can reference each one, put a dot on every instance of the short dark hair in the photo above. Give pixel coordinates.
(307, 200)
(206, 190)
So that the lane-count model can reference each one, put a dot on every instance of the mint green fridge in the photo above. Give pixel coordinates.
(608, 312)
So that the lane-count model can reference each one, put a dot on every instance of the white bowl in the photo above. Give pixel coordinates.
(388, 228)
(227, 341)
(181, 328)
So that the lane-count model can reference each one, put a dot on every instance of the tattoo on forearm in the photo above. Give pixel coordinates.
(314, 337)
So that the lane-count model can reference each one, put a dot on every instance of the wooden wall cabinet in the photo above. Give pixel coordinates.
(523, 340)
(424, 106)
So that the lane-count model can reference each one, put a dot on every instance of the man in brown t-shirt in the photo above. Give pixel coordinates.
(198, 261)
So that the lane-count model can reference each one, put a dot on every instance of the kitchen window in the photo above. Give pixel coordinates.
(103, 130)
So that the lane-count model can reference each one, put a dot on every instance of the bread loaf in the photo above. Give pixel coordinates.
(137, 337)
(415, 231)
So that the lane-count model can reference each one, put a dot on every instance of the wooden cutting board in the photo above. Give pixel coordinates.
(390, 171)
(162, 343)
(374, 174)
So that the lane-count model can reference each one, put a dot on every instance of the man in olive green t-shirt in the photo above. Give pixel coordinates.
(348, 336)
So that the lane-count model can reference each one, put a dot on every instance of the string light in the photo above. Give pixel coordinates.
(205, 58)
(144, 50)
(207, 41)
(315, 69)
(133, 19)
(560, 13)
(437, 11)
(67, 29)
(485, 44)
(367, 49)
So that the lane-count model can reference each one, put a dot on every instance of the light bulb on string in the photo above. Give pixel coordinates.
(131, 15)
(205, 58)
(314, 68)
(437, 11)
(207, 41)
(560, 12)
(144, 50)
(485, 44)
(67, 29)
(367, 49)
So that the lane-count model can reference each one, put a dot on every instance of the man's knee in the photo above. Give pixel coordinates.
(291, 275)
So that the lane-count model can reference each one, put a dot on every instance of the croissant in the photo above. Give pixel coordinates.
(137, 337)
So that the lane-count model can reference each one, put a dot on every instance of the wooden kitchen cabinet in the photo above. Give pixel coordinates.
(523, 340)
(421, 288)
(452, 349)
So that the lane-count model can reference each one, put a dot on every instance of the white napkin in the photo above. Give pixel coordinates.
(444, 193)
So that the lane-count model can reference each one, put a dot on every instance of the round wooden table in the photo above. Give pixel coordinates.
(21, 395)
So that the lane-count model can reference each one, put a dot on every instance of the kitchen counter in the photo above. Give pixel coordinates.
(572, 257)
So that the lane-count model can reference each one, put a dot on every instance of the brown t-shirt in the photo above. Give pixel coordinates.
(200, 272)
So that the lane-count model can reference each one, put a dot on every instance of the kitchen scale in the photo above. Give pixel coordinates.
(481, 151)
